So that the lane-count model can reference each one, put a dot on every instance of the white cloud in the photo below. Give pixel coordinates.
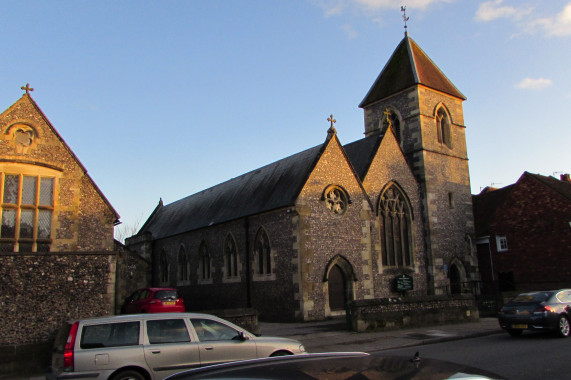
(351, 33)
(559, 26)
(336, 7)
(491, 10)
(534, 83)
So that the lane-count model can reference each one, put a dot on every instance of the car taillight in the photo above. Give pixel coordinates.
(68, 350)
(543, 309)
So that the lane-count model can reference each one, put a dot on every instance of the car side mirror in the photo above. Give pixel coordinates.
(241, 336)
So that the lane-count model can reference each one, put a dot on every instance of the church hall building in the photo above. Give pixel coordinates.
(300, 238)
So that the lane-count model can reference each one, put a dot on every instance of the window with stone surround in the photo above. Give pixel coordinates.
(183, 275)
(395, 221)
(231, 264)
(204, 264)
(336, 199)
(263, 258)
(443, 127)
(163, 268)
(27, 211)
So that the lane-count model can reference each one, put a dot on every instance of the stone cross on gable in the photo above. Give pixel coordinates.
(332, 120)
(27, 88)
(331, 130)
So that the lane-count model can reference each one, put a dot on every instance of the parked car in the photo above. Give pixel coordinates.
(154, 300)
(541, 310)
(338, 365)
(154, 346)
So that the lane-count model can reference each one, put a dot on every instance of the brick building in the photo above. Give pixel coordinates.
(524, 234)
(58, 258)
(299, 238)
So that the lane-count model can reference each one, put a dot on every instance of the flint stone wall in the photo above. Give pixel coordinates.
(395, 313)
(39, 291)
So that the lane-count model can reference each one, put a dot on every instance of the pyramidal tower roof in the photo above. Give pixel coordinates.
(408, 66)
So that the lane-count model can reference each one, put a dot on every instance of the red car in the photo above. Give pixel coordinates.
(154, 300)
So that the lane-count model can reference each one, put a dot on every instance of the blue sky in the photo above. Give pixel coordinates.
(166, 98)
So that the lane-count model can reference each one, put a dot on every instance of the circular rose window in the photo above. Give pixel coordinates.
(336, 200)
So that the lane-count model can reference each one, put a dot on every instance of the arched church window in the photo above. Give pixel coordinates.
(182, 265)
(336, 200)
(204, 262)
(163, 268)
(396, 220)
(231, 257)
(391, 120)
(443, 127)
(263, 252)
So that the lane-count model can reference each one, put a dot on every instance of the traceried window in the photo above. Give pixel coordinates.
(263, 252)
(443, 127)
(182, 266)
(204, 262)
(336, 200)
(230, 257)
(27, 209)
(396, 220)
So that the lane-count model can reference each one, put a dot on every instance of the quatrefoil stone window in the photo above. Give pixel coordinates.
(336, 200)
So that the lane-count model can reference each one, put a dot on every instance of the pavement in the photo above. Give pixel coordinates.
(333, 336)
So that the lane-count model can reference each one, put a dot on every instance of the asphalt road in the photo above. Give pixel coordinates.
(532, 356)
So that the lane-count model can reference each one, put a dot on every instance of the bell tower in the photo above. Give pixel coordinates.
(413, 94)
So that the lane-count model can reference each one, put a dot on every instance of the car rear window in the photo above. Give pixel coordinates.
(533, 297)
(166, 295)
(110, 335)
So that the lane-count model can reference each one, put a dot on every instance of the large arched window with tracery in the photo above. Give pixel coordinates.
(396, 220)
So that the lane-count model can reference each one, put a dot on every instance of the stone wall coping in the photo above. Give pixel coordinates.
(36, 254)
(401, 300)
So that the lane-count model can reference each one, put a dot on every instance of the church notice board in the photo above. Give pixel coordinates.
(404, 283)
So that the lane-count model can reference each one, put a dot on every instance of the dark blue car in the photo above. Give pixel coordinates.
(541, 310)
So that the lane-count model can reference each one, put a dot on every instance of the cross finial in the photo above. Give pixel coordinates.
(405, 19)
(27, 88)
(331, 130)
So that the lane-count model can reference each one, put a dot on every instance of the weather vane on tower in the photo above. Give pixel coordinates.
(405, 18)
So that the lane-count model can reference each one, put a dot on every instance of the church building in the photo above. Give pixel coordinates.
(300, 238)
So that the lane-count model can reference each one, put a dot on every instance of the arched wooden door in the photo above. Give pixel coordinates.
(337, 293)
(455, 280)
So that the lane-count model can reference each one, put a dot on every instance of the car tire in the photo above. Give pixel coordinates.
(128, 375)
(515, 332)
(563, 327)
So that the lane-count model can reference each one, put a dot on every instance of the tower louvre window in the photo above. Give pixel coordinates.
(443, 127)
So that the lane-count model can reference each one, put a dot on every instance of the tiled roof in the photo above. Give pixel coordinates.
(485, 205)
(361, 153)
(561, 187)
(409, 65)
(271, 187)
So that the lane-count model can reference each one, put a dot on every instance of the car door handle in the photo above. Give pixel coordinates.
(209, 348)
(156, 352)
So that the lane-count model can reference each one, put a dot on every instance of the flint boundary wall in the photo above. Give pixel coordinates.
(395, 313)
(39, 291)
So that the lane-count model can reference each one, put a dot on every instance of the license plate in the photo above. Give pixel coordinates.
(169, 303)
(519, 326)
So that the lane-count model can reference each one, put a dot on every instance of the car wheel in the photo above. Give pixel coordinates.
(564, 328)
(280, 353)
(515, 332)
(128, 375)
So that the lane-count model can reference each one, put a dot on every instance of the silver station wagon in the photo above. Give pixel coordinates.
(154, 346)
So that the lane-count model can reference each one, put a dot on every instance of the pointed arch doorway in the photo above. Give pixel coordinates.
(339, 279)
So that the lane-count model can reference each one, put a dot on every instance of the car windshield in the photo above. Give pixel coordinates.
(533, 297)
(166, 295)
